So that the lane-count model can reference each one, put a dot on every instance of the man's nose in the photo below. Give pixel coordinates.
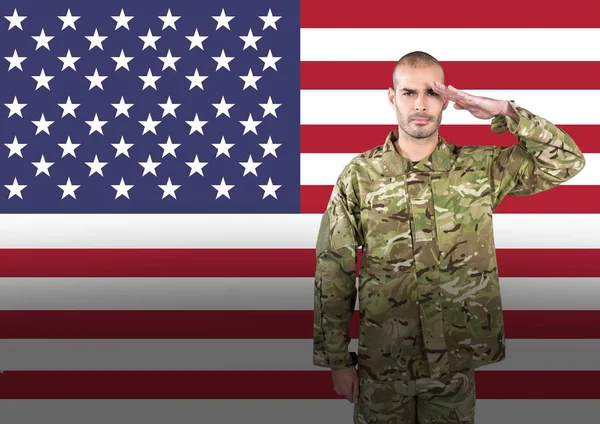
(420, 104)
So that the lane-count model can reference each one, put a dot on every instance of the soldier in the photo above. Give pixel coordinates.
(421, 208)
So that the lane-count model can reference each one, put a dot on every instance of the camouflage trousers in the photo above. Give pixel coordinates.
(421, 401)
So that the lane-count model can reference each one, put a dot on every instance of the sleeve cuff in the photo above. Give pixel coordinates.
(335, 361)
(520, 126)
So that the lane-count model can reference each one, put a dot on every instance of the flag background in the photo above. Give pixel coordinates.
(201, 311)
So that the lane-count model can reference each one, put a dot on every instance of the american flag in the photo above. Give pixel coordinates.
(164, 169)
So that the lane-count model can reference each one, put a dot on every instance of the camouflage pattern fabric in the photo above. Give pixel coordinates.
(423, 401)
(428, 288)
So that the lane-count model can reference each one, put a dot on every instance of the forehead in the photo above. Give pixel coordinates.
(418, 77)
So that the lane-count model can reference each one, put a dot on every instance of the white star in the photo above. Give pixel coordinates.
(223, 20)
(149, 125)
(250, 40)
(42, 40)
(96, 40)
(270, 20)
(270, 60)
(96, 166)
(223, 147)
(196, 80)
(223, 108)
(122, 189)
(15, 61)
(42, 80)
(15, 107)
(149, 80)
(15, 147)
(169, 147)
(68, 148)
(69, 107)
(42, 125)
(69, 61)
(149, 166)
(15, 20)
(270, 189)
(196, 166)
(223, 60)
(196, 125)
(122, 107)
(269, 147)
(96, 125)
(223, 189)
(250, 166)
(169, 20)
(250, 80)
(68, 20)
(68, 189)
(169, 61)
(15, 188)
(122, 20)
(42, 166)
(169, 189)
(122, 147)
(270, 107)
(149, 40)
(96, 80)
(169, 107)
(122, 60)
(196, 40)
(250, 124)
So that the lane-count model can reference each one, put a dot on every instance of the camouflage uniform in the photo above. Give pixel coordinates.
(429, 299)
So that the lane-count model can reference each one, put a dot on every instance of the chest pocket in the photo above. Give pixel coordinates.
(385, 216)
(463, 209)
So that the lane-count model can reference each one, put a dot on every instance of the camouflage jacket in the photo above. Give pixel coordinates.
(428, 286)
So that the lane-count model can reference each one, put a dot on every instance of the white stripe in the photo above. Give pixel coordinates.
(251, 294)
(253, 354)
(325, 168)
(226, 411)
(272, 231)
(371, 107)
(448, 44)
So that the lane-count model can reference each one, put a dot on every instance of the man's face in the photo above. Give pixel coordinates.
(418, 108)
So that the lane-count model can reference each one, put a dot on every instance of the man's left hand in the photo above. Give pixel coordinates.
(480, 107)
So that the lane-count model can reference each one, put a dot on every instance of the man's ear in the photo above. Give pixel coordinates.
(391, 97)
(445, 104)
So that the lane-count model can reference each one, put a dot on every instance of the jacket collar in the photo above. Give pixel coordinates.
(441, 159)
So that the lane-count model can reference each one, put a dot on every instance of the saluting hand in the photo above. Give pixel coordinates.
(480, 107)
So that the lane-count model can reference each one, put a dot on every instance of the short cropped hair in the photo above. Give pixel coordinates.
(416, 59)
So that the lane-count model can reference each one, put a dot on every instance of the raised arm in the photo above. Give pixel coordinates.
(543, 157)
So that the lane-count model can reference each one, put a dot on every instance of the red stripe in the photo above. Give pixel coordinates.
(465, 75)
(444, 14)
(267, 385)
(284, 324)
(359, 138)
(561, 199)
(252, 262)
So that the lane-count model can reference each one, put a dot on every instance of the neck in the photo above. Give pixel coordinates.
(415, 149)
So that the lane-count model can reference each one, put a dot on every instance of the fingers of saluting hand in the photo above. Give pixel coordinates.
(449, 92)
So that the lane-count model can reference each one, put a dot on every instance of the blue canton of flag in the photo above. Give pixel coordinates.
(150, 107)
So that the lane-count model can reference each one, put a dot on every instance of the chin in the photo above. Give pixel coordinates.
(419, 131)
(421, 134)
